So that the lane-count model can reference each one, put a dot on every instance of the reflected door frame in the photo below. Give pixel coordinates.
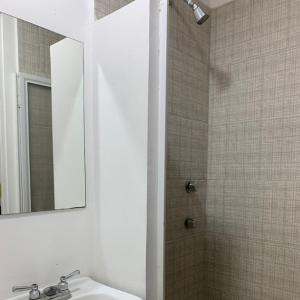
(8, 110)
(23, 80)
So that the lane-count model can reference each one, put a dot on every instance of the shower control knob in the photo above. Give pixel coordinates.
(190, 187)
(190, 223)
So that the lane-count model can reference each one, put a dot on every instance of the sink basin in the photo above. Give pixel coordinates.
(88, 289)
(97, 297)
(85, 288)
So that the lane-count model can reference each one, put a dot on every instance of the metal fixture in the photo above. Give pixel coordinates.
(199, 14)
(61, 290)
(63, 284)
(34, 293)
(51, 291)
(58, 292)
(190, 223)
(190, 187)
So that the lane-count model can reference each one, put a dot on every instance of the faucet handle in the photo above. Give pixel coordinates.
(63, 284)
(77, 272)
(34, 293)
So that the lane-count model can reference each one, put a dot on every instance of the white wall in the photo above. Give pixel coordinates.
(122, 73)
(67, 123)
(108, 239)
(66, 17)
(40, 247)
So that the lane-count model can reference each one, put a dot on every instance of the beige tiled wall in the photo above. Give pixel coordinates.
(41, 149)
(34, 48)
(105, 7)
(247, 243)
(187, 132)
(253, 192)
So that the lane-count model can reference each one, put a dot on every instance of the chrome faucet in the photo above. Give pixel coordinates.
(63, 284)
(58, 292)
(34, 293)
(61, 290)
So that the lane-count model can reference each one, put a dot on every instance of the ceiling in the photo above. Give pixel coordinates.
(215, 3)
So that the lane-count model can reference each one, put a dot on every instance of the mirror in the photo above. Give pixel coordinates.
(42, 164)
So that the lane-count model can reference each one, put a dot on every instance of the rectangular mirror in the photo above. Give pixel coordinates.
(42, 163)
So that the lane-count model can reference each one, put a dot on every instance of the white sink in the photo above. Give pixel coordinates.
(88, 289)
(85, 288)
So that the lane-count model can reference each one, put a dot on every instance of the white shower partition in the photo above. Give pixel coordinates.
(130, 89)
(124, 96)
(122, 76)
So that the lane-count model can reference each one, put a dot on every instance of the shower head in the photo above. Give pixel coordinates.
(199, 14)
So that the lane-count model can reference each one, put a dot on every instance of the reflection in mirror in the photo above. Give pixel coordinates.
(42, 163)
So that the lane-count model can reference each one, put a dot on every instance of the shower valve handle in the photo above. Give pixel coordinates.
(190, 187)
(190, 223)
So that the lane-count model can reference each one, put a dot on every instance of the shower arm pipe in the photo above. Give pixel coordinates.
(190, 3)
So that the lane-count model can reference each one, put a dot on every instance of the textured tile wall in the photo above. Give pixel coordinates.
(34, 48)
(41, 149)
(187, 134)
(105, 7)
(253, 192)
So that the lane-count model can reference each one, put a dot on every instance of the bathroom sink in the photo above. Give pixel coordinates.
(88, 289)
(85, 288)
(97, 297)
